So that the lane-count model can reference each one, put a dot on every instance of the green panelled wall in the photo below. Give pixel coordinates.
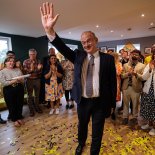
(21, 45)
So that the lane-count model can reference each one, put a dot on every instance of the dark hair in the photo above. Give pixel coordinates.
(110, 50)
(153, 53)
(8, 59)
(53, 55)
(8, 52)
(136, 51)
(123, 50)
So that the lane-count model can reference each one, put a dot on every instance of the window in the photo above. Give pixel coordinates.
(72, 47)
(5, 45)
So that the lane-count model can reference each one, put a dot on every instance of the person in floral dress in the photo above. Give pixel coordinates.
(53, 84)
(68, 68)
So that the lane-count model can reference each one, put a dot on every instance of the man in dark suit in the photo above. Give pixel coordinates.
(98, 105)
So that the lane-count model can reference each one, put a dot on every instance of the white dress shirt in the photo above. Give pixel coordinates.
(96, 70)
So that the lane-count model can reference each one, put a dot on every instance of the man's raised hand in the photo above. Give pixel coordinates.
(48, 18)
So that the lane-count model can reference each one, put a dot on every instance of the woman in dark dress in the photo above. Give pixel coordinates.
(147, 108)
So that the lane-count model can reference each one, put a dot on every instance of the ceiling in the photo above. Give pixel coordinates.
(123, 17)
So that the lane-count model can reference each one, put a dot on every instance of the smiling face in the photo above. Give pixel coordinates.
(89, 42)
(51, 51)
(53, 59)
(10, 63)
(134, 56)
(32, 54)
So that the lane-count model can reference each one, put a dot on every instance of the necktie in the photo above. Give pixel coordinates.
(89, 77)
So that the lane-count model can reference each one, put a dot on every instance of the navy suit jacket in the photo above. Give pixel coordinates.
(107, 75)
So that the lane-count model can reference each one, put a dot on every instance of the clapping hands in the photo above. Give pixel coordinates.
(39, 66)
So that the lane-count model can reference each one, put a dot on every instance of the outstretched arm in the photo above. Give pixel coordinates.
(48, 21)
(48, 18)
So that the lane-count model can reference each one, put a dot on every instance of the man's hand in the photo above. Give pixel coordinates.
(32, 67)
(130, 71)
(48, 18)
(40, 66)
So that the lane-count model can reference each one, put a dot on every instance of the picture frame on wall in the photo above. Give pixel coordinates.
(147, 50)
(103, 49)
(112, 48)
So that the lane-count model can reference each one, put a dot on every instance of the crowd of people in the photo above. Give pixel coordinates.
(49, 73)
(99, 80)
(93, 79)
(137, 87)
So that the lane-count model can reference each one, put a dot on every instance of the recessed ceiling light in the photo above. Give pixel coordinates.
(70, 32)
(111, 31)
(129, 29)
(97, 26)
(122, 35)
(151, 23)
(142, 15)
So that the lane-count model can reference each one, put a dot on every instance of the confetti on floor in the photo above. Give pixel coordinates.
(57, 135)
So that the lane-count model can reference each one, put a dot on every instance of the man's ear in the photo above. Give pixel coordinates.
(96, 39)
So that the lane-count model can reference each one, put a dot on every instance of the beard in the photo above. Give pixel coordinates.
(134, 58)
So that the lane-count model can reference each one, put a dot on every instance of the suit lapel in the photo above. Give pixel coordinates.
(101, 67)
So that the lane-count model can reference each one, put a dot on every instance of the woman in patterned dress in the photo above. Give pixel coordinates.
(53, 84)
(147, 108)
(68, 68)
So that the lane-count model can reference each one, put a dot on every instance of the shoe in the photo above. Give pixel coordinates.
(17, 124)
(57, 111)
(2, 121)
(71, 106)
(51, 111)
(79, 150)
(21, 122)
(145, 127)
(67, 106)
(152, 132)
(125, 121)
(32, 113)
(133, 121)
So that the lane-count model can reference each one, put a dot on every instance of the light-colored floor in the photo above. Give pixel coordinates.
(57, 135)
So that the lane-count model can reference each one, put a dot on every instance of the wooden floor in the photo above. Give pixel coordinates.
(57, 135)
